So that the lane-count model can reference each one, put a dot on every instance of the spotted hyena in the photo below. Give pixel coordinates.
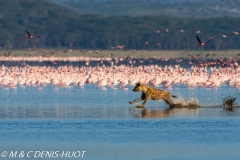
(149, 93)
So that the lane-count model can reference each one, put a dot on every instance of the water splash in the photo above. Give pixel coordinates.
(182, 103)
(229, 103)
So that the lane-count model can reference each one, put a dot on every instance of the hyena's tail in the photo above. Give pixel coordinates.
(174, 96)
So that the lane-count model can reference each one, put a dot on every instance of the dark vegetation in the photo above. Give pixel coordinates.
(179, 8)
(62, 27)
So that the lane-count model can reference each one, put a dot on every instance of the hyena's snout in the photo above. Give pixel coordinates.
(135, 89)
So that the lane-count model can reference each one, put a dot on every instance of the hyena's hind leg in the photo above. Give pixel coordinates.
(169, 99)
(139, 99)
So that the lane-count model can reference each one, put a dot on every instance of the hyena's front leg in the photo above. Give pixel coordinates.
(147, 98)
(139, 99)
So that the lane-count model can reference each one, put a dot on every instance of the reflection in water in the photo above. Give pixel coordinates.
(63, 112)
(146, 113)
(156, 113)
(111, 112)
(230, 108)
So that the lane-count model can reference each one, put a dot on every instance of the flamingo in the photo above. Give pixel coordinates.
(195, 57)
(203, 43)
(31, 36)
(97, 51)
(209, 54)
(7, 54)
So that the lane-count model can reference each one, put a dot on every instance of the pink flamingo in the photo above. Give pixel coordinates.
(210, 54)
(31, 36)
(203, 43)
(7, 54)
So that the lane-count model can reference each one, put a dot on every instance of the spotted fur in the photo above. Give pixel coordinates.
(149, 93)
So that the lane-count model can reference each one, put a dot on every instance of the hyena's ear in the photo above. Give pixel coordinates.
(138, 84)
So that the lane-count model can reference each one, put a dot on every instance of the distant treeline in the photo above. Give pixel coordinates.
(60, 27)
(177, 8)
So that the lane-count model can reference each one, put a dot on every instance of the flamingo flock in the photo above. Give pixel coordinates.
(202, 73)
(119, 77)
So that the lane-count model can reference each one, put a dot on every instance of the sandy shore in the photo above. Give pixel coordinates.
(121, 53)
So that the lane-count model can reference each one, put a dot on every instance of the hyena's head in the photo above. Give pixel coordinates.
(139, 87)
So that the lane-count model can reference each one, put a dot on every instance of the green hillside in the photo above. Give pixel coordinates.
(62, 27)
(51, 22)
(194, 8)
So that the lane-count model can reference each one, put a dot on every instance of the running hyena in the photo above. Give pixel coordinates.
(149, 93)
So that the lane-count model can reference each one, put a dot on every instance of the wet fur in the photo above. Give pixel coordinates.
(149, 93)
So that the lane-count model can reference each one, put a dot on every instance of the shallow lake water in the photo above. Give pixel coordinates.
(31, 102)
(106, 126)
